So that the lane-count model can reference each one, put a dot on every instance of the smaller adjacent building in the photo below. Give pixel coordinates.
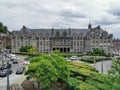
(116, 49)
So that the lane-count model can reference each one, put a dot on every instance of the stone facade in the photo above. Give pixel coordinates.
(65, 40)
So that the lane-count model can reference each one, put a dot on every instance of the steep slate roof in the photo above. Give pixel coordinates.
(78, 31)
(49, 31)
(42, 31)
(84, 32)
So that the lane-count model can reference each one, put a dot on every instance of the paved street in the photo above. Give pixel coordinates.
(106, 66)
(13, 78)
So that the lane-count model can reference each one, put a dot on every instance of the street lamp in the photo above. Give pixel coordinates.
(8, 85)
(102, 66)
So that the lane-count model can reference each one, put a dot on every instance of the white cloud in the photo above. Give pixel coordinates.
(61, 14)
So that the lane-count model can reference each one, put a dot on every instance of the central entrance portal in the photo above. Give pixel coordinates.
(63, 50)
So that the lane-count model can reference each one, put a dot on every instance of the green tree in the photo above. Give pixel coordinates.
(32, 50)
(25, 48)
(115, 68)
(98, 51)
(48, 69)
(3, 29)
(56, 51)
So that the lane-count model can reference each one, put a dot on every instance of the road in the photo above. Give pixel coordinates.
(106, 66)
(13, 78)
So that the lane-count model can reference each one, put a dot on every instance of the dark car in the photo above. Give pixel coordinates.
(20, 70)
(5, 66)
(15, 62)
(5, 72)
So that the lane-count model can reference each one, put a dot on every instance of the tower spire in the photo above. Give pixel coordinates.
(89, 26)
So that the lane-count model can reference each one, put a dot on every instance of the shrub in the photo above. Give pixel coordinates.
(72, 84)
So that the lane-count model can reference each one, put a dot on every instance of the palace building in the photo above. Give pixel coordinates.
(65, 40)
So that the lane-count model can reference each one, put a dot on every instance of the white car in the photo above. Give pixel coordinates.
(74, 58)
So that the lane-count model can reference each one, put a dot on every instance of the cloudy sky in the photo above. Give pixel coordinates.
(61, 14)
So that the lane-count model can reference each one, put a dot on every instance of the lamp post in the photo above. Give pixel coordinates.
(2, 57)
(102, 66)
(8, 85)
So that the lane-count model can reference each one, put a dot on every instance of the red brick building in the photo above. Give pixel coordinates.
(116, 43)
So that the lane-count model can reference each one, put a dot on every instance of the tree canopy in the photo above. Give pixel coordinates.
(3, 29)
(25, 48)
(99, 52)
(48, 69)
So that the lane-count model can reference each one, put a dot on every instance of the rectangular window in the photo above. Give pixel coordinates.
(26, 43)
(40, 43)
(78, 44)
(74, 43)
(97, 42)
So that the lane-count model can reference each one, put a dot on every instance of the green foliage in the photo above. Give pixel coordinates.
(52, 68)
(3, 29)
(28, 58)
(56, 51)
(95, 59)
(115, 68)
(105, 82)
(90, 79)
(28, 53)
(61, 64)
(86, 86)
(99, 52)
(80, 72)
(25, 48)
(48, 69)
(32, 50)
(79, 65)
(69, 55)
(72, 84)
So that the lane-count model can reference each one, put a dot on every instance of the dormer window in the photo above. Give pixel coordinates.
(57, 34)
(64, 34)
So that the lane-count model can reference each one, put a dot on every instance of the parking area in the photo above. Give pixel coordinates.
(13, 78)
(13, 64)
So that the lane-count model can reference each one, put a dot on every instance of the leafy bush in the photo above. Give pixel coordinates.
(28, 58)
(69, 55)
(95, 59)
(87, 86)
(25, 48)
(72, 84)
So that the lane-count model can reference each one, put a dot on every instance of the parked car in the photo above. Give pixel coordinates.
(12, 56)
(5, 66)
(20, 70)
(5, 72)
(74, 58)
(15, 61)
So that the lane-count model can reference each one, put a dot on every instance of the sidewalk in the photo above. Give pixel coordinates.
(18, 80)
